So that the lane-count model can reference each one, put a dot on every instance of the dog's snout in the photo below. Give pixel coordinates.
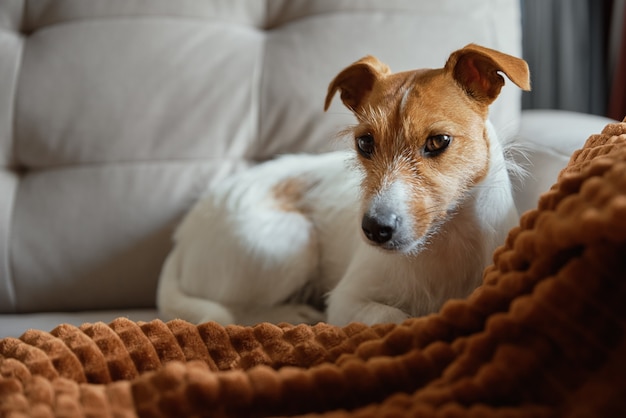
(381, 227)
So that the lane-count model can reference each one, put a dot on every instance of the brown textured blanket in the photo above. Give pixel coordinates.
(543, 336)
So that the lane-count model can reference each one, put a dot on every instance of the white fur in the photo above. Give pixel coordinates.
(240, 257)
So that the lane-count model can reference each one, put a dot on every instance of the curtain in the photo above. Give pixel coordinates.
(565, 45)
(617, 62)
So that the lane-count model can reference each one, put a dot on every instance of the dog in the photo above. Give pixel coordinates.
(390, 230)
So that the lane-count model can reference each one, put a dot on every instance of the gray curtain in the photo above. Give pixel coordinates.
(565, 45)
(617, 61)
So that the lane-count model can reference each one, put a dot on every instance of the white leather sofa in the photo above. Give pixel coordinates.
(115, 115)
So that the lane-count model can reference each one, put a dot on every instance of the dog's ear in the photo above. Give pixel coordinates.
(356, 81)
(477, 68)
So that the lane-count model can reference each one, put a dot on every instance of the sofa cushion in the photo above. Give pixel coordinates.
(115, 115)
(545, 142)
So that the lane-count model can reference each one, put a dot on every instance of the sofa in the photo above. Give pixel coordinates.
(116, 115)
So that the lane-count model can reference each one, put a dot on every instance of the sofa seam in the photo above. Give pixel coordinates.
(148, 17)
(14, 168)
(257, 87)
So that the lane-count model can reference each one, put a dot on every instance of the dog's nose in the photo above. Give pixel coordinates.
(380, 228)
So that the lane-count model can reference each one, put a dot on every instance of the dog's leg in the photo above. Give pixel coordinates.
(174, 303)
(368, 290)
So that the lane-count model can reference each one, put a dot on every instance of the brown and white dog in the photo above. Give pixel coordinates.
(390, 231)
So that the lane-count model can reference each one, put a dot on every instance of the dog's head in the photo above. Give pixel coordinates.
(421, 138)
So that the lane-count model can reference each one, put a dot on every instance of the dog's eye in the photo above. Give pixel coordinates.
(436, 144)
(365, 145)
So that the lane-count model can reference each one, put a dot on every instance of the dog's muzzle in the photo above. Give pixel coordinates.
(387, 221)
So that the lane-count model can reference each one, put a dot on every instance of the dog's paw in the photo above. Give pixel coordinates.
(305, 314)
(392, 315)
(377, 313)
(368, 313)
(289, 313)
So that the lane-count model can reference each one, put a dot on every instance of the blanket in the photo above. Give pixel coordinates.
(544, 336)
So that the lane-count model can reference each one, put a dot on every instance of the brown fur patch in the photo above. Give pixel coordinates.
(289, 194)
